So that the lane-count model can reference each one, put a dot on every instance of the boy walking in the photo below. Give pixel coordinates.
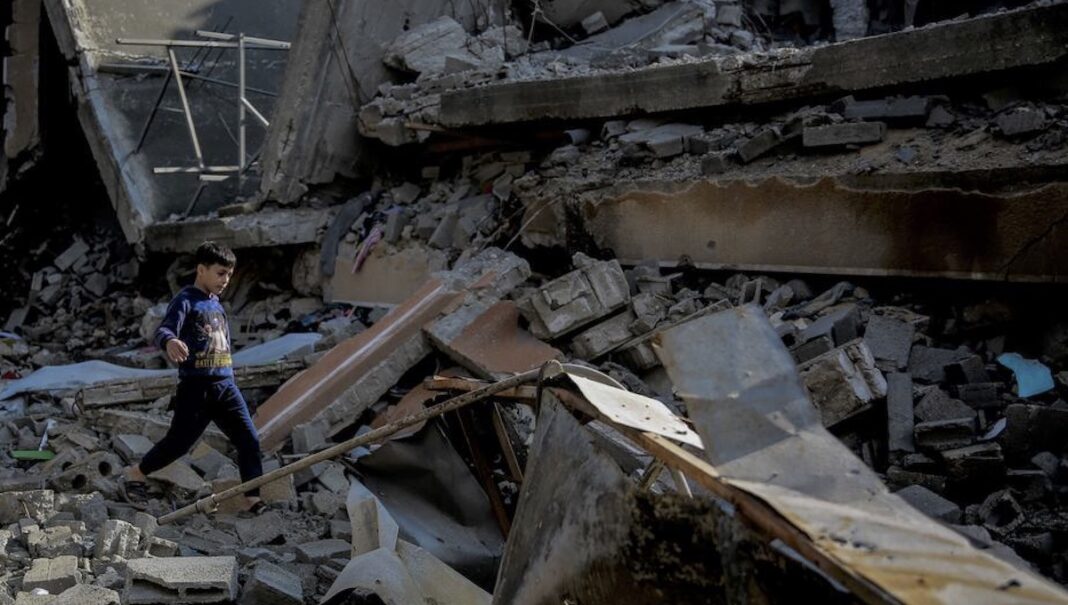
(195, 334)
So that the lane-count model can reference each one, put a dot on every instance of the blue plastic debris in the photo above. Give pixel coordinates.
(1032, 376)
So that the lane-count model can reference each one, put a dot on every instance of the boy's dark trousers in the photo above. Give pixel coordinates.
(197, 402)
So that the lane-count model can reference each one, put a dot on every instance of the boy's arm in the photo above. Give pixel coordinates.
(171, 326)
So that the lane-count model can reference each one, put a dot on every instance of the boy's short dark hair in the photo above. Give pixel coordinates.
(210, 253)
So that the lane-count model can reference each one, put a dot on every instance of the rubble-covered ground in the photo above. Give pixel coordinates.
(954, 392)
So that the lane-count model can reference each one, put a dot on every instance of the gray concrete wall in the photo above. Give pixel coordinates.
(314, 138)
(113, 108)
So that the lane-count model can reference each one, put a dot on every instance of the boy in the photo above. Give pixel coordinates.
(195, 335)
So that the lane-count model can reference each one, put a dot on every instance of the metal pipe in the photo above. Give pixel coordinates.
(185, 107)
(250, 39)
(256, 113)
(209, 503)
(130, 68)
(194, 44)
(241, 101)
(193, 169)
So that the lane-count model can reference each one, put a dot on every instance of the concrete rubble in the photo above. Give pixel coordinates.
(829, 229)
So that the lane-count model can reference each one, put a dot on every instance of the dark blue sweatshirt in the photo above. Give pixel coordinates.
(198, 320)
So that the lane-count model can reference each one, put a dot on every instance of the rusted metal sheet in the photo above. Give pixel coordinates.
(308, 393)
(826, 227)
(765, 437)
(492, 345)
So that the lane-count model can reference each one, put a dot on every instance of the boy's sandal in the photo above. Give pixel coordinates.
(133, 492)
(258, 508)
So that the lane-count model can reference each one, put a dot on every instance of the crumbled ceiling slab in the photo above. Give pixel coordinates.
(1028, 37)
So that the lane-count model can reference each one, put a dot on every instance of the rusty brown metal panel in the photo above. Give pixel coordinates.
(311, 391)
(825, 227)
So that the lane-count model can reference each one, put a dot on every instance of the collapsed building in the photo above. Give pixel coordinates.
(784, 274)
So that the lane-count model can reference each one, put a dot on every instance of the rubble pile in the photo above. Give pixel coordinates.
(486, 249)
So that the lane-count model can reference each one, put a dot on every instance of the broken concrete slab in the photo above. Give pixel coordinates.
(261, 229)
(936, 404)
(269, 584)
(181, 580)
(86, 594)
(357, 372)
(321, 551)
(940, 435)
(425, 48)
(117, 538)
(387, 277)
(980, 45)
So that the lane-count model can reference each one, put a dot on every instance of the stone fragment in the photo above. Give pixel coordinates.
(181, 580)
(117, 538)
(840, 325)
(928, 364)
(1033, 428)
(56, 541)
(848, 133)
(893, 108)
(257, 531)
(936, 404)
(321, 551)
(890, 341)
(931, 504)
(422, 49)
(208, 461)
(67, 258)
(850, 19)
(269, 584)
(603, 337)
(180, 475)
(1021, 121)
(901, 477)
(899, 411)
(595, 23)
(131, 447)
(1029, 485)
(1047, 462)
(161, 547)
(87, 594)
(372, 525)
(307, 437)
(15, 505)
(969, 370)
(980, 396)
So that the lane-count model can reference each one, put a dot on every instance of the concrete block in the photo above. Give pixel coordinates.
(161, 547)
(1001, 513)
(941, 435)
(837, 135)
(68, 257)
(578, 298)
(930, 503)
(86, 594)
(57, 541)
(759, 144)
(843, 382)
(980, 396)
(372, 525)
(423, 49)
(97, 472)
(840, 325)
(936, 404)
(890, 341)
(181, 580)
(893, 108)
(131, 447)
(1022, 121)
(899, 412)
(323, 503)
(1029, 485)
(896, 475)
(40, 504)
(54, 575)
(928, 364)
(307, 437)
(812, 349)
(716, 162)
(975, 465)
(1048, 463)
(269, 584)
(1033, 428)
(333, 477)
(603, 337)
(321, 551)
(594, 23)
(117, 539)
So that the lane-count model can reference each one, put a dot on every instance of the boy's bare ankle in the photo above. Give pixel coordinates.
(133, 473)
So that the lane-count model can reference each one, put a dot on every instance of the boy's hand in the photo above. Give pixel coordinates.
(177, 351)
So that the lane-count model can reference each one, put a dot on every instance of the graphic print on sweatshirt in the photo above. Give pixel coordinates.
(212, 349)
